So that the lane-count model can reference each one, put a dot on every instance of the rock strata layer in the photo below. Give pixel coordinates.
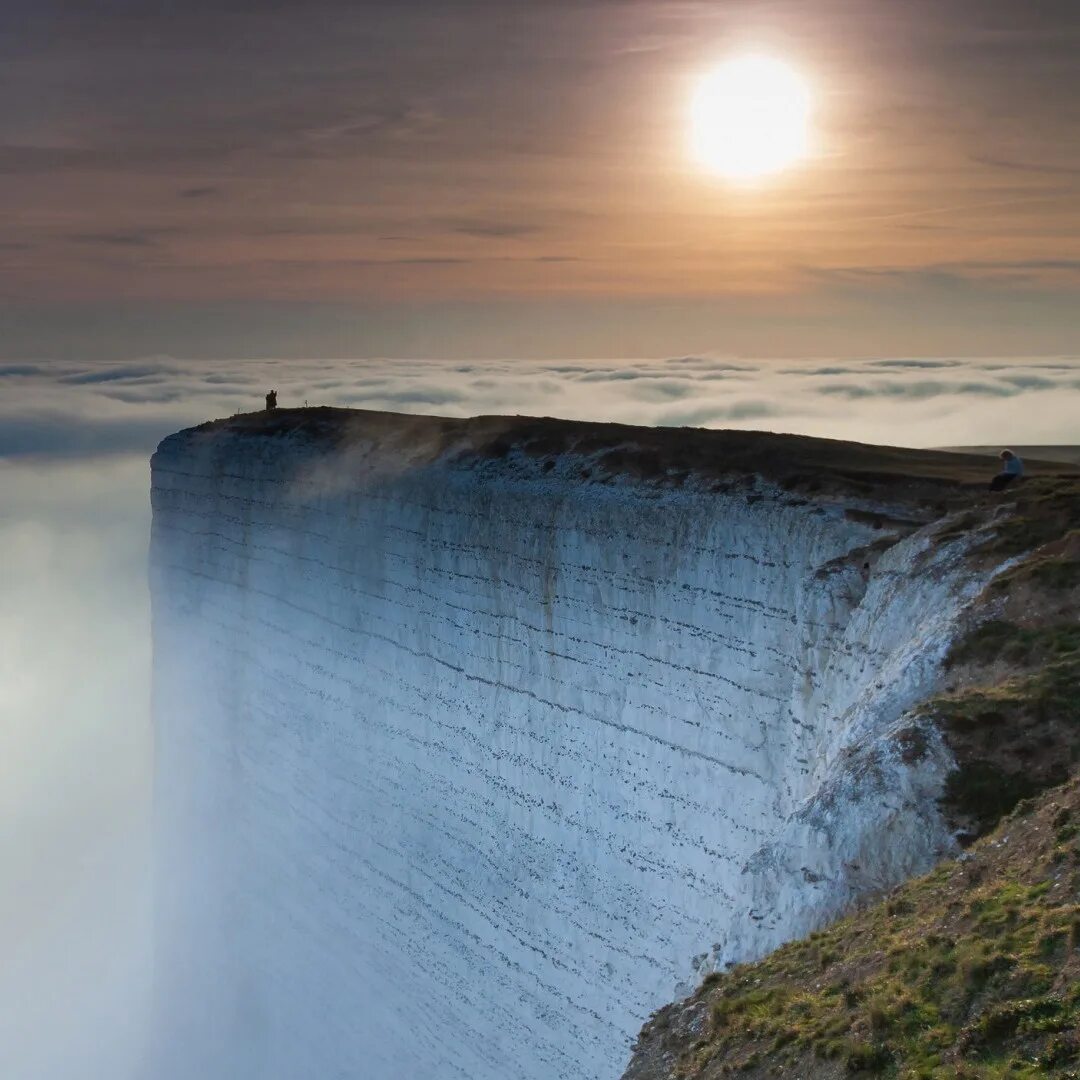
(469, 758)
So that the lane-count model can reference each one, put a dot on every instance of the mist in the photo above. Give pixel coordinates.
(74, 769)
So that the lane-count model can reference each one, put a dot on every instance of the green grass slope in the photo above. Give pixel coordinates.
(971, 971)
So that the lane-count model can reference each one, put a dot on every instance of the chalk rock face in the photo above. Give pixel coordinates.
(467, 763)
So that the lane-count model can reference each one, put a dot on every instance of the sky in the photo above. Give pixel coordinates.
(471, 178)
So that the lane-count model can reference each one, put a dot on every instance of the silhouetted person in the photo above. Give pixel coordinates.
(1012, 468)
(271, 401)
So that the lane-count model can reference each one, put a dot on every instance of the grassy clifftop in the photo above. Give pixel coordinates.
(931, 482)
(974, 970)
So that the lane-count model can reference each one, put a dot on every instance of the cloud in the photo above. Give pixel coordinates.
(69, 411)
(494, 230)
(18, 160)
(114, 239)
(59, 435)
(214, 379)
(419, 260)
(126, 373)
(829, 370)
(918, 390)
(428, 261)
(12, 371)
(391, 399)
(917, 364)
(156, 395)
(77, 907)
(399, 123)
(617, 375)
(1031, 382)
(1011, 266)
(958, 273)
(718, 415)
(705, 362)
(1047, 168)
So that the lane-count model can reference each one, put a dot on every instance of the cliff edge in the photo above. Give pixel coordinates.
(480, 740)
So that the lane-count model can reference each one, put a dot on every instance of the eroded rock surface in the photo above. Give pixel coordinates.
(468, 761)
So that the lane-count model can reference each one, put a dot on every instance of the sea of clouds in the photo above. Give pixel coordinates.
(71, 410)
(75, 740)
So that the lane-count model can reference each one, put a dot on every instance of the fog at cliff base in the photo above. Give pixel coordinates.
(75, 913)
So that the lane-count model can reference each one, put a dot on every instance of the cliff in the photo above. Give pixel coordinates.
(478, 741)
(971, 971)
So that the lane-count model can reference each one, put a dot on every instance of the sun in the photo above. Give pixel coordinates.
(750, 118)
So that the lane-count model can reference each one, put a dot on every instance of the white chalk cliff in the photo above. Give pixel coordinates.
(479, 741)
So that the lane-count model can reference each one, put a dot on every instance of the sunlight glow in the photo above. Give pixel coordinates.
(750, 117)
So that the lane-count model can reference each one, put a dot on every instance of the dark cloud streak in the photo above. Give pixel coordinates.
(60, 435)
(494, 230)
(113, 239)
(77, 412)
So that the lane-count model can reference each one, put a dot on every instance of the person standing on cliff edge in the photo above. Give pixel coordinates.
(1012, 468)
(271, 401)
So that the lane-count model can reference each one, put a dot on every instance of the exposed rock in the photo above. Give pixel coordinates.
(479, 741)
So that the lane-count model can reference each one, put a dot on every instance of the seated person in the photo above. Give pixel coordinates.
(1012, 468)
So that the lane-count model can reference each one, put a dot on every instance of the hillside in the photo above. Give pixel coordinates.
(972, 970)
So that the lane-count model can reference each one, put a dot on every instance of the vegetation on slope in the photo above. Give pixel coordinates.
(972, 971)
(1012, 716)
(1040, 511)
(1017, 737)
(1047, 510)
